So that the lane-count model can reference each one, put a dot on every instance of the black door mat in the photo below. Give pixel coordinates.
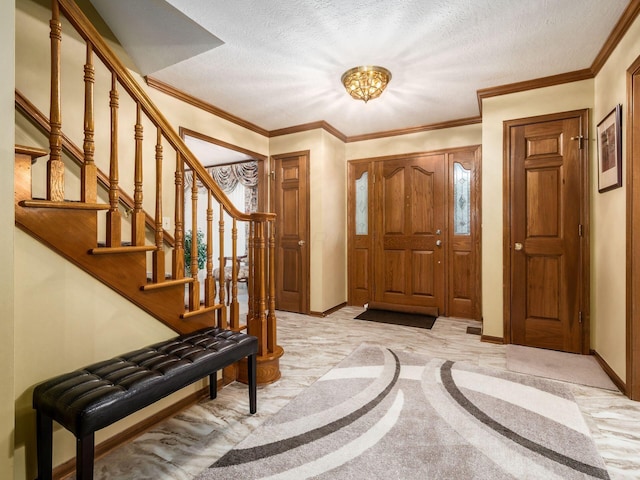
(398, 318)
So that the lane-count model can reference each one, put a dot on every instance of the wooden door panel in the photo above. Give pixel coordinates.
(423, 204)
(394, 203)
(543, 202)
(545, 220)
(423, 270)
(361, 270)
(394, 273)
(543, 287)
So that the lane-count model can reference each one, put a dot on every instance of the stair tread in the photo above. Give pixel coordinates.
(66, 204)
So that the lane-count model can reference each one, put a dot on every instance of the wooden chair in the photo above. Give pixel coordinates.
(243, 273)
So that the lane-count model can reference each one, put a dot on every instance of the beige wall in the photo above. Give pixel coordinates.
(7, 316)
(608, 215)
(495, 111)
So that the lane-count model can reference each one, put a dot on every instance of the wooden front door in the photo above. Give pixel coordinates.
(291, 205)
(547, 228)
(409, 224)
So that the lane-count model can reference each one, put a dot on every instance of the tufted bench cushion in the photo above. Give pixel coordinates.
(98, 395)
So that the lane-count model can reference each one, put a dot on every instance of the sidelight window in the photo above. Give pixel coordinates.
(462, 200)
(362, 204)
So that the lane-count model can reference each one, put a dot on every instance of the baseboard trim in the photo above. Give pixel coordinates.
(622, 386)
(68, 468)
(490, 339)
(328, 312)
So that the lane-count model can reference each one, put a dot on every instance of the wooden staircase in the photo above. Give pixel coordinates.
(137, 269)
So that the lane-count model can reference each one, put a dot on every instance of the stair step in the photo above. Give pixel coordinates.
(166, 284)
(122, 249)
(67, 204)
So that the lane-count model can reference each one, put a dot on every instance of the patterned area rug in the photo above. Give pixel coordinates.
(394, 415)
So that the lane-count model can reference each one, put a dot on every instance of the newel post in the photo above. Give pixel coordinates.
(261, 320)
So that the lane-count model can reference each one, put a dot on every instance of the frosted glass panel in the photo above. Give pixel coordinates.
(362, 204)
(461, 200)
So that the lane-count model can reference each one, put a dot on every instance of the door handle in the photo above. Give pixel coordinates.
(517, 246)
(438, 243)
(301, 243)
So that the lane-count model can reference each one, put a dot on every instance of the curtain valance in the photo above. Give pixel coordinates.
(228, 176)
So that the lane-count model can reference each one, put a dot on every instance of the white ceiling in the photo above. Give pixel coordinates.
(281, 61)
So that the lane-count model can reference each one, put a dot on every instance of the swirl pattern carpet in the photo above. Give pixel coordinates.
(384, 414)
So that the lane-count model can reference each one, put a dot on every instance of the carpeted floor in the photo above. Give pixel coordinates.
(397, 318)
(385, 413)
(567, 367)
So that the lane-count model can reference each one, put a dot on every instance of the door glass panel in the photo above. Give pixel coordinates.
(461, 200)
(362, 204)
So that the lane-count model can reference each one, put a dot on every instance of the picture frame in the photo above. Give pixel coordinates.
(609, 133)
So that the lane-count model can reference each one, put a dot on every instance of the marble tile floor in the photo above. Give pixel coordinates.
(183, 446)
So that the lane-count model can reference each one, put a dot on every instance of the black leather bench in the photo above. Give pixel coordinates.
(96, 396)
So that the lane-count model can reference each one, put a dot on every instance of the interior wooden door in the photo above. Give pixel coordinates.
(547, 212)
(408, 247)
(291, 204)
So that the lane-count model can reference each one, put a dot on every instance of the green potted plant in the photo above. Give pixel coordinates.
(202, 251)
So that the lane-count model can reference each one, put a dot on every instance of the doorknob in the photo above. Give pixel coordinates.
(301, 243)
(438, 243)
(517, 246)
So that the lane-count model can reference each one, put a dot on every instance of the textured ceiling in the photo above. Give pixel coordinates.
(281, 61)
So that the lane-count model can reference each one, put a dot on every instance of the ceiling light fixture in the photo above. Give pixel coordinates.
(365, 83)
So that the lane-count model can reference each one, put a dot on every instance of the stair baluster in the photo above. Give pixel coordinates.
(158, 267)
(114, 220)
(55, 166)
(88, 175)
(138, 216)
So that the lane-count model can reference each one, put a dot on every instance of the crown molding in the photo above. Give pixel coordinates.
(309, 126)
(550, 81)
(422, 128)
(626, 19)
(207, 107)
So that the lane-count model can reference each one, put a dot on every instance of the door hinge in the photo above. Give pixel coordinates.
(579, 317)
(580, 230)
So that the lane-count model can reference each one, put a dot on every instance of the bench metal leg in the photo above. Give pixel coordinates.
(84, 457)
(213, 385)
(251, 375)
(44, 437)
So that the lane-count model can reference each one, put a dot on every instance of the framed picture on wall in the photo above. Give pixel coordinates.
(610, 151)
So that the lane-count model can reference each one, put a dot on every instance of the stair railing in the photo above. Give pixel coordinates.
(261, 318)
